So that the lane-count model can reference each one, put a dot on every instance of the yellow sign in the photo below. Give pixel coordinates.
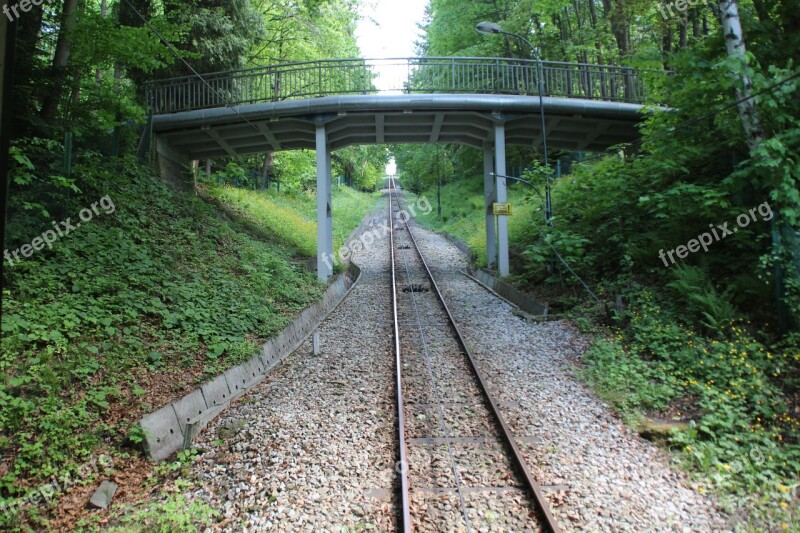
(501, 209)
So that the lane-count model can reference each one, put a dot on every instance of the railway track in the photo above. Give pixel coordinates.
(461, 467)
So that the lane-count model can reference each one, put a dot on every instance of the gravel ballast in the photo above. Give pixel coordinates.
(313, 447)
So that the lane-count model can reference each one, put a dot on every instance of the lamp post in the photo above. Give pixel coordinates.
(491, 28)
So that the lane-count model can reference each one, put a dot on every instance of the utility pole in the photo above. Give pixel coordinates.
(489, 28)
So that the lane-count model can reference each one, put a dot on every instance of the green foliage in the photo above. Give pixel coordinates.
(34, 169)
(626, 381)
(703, 302)
(296, 169)
(218, 34)
(361, 166)
(160, 283)
(173, 514)
(306, 30)
(729, 387)
(290, 217)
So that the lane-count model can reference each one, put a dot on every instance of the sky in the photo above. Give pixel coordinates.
(388, 28)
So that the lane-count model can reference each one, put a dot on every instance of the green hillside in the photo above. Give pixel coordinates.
(156, 293)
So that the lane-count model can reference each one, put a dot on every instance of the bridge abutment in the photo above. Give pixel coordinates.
(173, 167)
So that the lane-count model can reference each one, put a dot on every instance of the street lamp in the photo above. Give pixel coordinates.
(491, 28)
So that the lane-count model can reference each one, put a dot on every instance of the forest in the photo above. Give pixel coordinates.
(163, 290)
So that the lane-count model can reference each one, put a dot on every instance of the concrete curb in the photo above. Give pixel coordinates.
(507, 292)
(496, 286)
(174, 426)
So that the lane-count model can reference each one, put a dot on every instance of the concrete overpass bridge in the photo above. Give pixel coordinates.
(485, 103)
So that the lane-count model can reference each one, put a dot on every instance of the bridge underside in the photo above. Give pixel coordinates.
(487, 122)
(572, 124)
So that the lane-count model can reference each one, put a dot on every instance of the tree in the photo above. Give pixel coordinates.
(737, 50)
(60, 61)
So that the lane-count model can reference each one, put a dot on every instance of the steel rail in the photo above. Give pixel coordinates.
(406, 519)
(546, 514)
(443, 426)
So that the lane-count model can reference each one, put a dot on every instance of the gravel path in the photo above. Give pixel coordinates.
(312, 448)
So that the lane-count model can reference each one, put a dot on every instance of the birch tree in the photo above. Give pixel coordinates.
(735, 44)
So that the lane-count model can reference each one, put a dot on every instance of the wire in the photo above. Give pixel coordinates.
(585, 286)
(190, 67)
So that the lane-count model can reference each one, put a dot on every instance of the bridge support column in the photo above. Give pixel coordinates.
(488, 200)
(502, 220)
(324, 220)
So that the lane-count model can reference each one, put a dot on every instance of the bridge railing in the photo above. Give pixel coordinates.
(456, 75)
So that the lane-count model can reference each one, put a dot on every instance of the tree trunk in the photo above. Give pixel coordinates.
(666, 44)
(695, 15)
(683, 39)
(592, 14)
(762, 10)
(593, 21)
(735, 44)
(98, 74)
(266, 168)
(76, 90)
(26, 92)
(619, 25)
(60, 62)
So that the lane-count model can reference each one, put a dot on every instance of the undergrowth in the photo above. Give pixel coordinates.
(291, 216)
(742, 438)
(158, 286)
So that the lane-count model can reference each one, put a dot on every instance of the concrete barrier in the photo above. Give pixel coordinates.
(163, 433)
(507, 292)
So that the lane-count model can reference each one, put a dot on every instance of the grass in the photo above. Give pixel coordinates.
(291, 216)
